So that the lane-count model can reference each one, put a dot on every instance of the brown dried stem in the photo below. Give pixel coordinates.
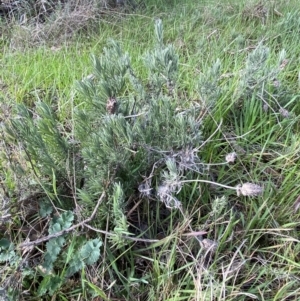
(57, 234)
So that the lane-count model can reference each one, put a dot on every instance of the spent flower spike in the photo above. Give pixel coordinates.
(249, 189)
(230, 158)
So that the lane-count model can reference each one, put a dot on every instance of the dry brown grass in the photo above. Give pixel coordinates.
(54, 22)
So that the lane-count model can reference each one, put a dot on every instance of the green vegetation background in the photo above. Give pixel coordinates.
(239, 63)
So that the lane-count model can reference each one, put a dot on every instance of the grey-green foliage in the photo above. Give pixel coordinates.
(109, 72)
(208, 86)
(150, 128)
(162, 62)
(86, 253)
(289, 24)
(261, 77)
(8, 253)
(82, 253)
(120, 221)
(149, 124)
(54, 245)
(39, 135)
(257, 72)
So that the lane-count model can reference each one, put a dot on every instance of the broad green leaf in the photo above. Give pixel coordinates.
(45, 209)
(90, 252)
(76, 264)
(66, 219)
(4, 243)
(7, 256)
(55, 228)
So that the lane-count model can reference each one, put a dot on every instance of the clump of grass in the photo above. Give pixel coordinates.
(34, 23)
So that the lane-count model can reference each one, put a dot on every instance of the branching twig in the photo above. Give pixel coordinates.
(85, 224)
(57, 234)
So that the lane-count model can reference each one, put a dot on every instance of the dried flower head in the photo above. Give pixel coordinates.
(111, 105)
(249, 189)
(283, 64)
(164, 193)
(230, 158)
(145, 189)
(285, 113)
(188, 159)
(209, 245)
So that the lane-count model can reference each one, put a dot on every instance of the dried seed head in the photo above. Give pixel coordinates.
(209, 245)
(188, 159)
(163, 190)
(249, 189)
(111, 105)
(285, 113)
(283, 64)
(164, 194)
(230, 158)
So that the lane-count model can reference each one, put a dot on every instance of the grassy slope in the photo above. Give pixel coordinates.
(258, 242)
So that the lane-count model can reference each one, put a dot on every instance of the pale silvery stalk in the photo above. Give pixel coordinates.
(246, 189)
